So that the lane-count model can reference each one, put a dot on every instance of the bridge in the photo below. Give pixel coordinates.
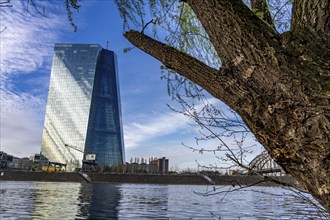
(265, 165)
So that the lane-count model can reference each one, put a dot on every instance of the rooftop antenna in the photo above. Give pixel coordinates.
(106, 47)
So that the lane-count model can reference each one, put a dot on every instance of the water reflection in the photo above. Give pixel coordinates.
(47, 200)
(99, 201)
(14, 201)
(144, 201)
(109, 201)
(38, 200)
(279, 204)
(52, 200)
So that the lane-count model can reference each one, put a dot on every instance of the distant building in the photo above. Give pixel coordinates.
(155, 166)
(83, 114)
(36, 158)
(5, 160)
(15, 165)
(161, 165)
(21, 163)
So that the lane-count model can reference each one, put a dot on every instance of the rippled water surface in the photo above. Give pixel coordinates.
(49, 200)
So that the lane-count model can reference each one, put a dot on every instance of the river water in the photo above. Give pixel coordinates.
(50, 200)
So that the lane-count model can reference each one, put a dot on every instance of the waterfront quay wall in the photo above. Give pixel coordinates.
(186, 179)
(40, 176)
(148, 178)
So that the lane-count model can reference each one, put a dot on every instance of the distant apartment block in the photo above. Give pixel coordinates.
(161, 164)
(155, 166)
(83, 113)
(5, 160)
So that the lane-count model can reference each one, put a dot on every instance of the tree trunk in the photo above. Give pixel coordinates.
(278, 84)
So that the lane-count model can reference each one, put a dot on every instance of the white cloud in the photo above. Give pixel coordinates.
(26, 45)
(168, 123)
(163, 135)
(147, 127)
(152, 126)
(21, 123)
(28, 38)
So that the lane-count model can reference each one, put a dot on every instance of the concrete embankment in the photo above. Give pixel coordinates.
(40, 176)
(138, 178)
(187, 179)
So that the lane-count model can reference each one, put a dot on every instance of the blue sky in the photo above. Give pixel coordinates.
(150, 127)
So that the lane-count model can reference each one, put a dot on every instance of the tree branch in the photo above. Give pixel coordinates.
(72, 4)
(313, 15)
(220, 84)
(5, 3)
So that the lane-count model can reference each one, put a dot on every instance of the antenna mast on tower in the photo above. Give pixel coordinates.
(106, 47)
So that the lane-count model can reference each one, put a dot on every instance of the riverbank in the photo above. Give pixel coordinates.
(139, 178)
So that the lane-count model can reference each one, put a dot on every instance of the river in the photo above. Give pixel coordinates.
(58, 200)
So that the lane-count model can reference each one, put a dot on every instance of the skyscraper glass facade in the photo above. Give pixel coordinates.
(83, 114)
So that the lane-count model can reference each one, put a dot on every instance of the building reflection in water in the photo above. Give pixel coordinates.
(50, 200)
(110, 201)
(99, 201)
(54, 200)
(143, 201)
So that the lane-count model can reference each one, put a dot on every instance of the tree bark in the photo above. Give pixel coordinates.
(313, 15)
(278, 84)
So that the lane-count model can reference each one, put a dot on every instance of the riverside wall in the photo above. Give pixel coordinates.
(40, 176)
(186, 179)
(138, 178)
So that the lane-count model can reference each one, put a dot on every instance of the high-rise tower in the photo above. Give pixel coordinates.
(83, 114)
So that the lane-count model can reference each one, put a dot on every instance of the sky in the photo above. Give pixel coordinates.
(151, 129)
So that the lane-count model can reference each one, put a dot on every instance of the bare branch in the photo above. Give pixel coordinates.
(3, 30)
(31, 2)
(6, 4)
(72, 4)
(146, 25)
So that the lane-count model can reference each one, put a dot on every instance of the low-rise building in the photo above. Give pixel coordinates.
(5, 160)
(161, 164)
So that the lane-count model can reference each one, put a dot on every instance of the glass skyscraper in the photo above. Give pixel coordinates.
(83, 114)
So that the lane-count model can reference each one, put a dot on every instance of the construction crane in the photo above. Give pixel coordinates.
(74, 147)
